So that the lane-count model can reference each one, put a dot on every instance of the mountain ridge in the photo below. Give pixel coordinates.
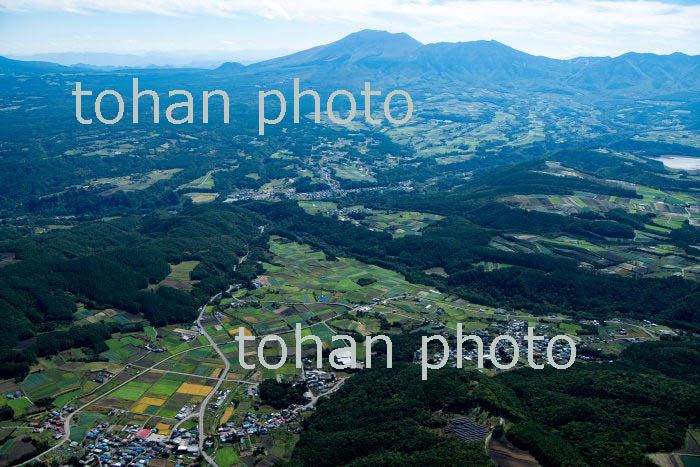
(382, 55)
(487, 63)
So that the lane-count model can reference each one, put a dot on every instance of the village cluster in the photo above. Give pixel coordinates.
(254, 424)
(501, 350)
(108, 444)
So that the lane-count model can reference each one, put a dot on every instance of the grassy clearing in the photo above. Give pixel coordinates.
(353, 173)
(315, 207)
(180, 275)
(200, 198)
(136, 182)
(205, 182)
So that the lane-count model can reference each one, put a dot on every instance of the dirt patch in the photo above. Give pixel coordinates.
(149, 377)
(504, 454)
(19, 448)
(8, 386)
(149, 360)
(115, 403)
(288, 311)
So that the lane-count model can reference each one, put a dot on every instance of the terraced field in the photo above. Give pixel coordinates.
(324, 297)
(649, 253)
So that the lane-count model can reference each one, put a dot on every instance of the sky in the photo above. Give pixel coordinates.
(554, 28)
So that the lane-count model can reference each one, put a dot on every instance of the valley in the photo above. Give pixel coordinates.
(524, 192)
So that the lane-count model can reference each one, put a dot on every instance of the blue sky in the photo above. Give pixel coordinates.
(560, 29)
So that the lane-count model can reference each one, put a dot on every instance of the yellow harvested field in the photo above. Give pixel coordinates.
(227, 415)
(194, 389)
(145, 402)
(216, 373)
(152, 401)
(246, 331)
(164, 429)
(140, 408)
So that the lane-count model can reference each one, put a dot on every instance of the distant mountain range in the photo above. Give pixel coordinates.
(492, 63)
(477, 63)
(185, 59)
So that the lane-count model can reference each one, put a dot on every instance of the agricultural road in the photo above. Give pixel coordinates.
(205, 403)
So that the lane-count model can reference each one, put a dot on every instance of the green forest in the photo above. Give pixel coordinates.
(94, 264)
(593, 414)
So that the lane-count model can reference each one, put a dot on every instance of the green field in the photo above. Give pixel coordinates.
(227, 456)
(49, 382)
(165, 387)
(7, 445)
(85, 421)
(18, 405)
(151, 332)
(63, 399)
(131, 391)
(322, 331)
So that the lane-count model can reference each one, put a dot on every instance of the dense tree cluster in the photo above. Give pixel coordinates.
(609, 415)
(281, 395)
(305, 185)
(587, 415)
(112, 264)
(386, 417)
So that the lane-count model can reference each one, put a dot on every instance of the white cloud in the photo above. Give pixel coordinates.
(556, 28)
(455, 12)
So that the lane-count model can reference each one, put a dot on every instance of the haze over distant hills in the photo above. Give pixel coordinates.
(398, 56)
(185, 59)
